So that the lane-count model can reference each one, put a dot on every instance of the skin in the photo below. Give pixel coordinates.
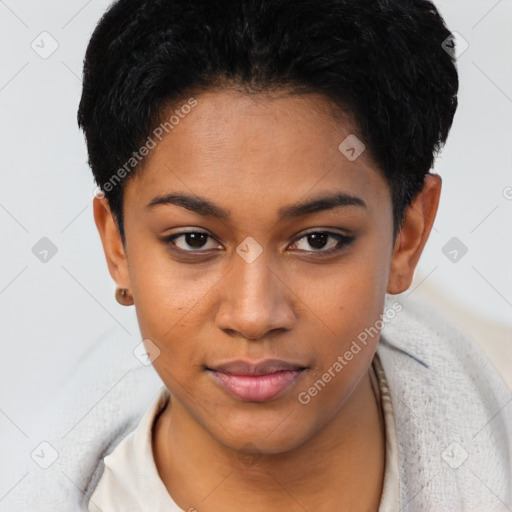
(253, 155)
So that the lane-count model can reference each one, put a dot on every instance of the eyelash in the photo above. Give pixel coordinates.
(343, 241)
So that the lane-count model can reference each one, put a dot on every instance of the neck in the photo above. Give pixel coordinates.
(340, 468)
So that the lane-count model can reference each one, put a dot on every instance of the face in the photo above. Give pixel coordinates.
(256, 253)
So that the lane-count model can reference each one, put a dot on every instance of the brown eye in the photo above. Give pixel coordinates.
(318, 240)
(190, 241)
(196, 240)
(323, 242)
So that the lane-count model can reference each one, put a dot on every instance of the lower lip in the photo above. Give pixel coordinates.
(256, 388)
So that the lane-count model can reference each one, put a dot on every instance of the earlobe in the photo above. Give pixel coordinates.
(111, 241)
(410, 242)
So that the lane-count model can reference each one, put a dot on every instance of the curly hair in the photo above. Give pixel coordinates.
(382, 61)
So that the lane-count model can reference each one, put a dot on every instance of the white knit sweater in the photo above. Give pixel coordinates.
(452, 410)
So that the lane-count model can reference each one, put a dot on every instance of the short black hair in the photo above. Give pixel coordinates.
(382, 61)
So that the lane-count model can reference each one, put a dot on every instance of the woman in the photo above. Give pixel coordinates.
(265, 177)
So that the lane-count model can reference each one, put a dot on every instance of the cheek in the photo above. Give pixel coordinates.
(351, 298)
(164, 291)
(350, 302)
(167, 301)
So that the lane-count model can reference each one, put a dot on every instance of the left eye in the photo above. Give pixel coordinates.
(319, 240)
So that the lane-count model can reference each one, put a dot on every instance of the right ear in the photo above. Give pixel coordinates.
(115, 253)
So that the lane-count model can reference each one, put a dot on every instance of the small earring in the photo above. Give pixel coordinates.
(123, 297)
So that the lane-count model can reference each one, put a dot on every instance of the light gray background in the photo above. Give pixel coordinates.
(53, 314)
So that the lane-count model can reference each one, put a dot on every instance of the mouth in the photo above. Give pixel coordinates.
(256, 382)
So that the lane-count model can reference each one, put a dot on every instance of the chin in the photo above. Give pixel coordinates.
(263, 433)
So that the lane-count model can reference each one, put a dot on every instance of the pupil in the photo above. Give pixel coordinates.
(317, 240)
(195, 239)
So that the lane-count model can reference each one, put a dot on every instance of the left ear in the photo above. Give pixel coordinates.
(418, 221)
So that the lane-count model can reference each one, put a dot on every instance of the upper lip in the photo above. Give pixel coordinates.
(265, 367)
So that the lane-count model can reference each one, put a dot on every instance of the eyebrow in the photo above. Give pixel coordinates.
(206, 208)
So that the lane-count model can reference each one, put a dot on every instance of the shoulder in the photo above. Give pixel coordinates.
(453, 412)
(100, 407)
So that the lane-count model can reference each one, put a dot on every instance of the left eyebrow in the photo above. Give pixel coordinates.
(319, 204)
(205, 207)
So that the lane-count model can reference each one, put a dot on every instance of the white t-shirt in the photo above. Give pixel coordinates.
(130, 481)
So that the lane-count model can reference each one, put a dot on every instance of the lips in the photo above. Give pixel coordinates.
(256, 382)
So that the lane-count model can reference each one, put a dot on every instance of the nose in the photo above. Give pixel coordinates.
(255, 302)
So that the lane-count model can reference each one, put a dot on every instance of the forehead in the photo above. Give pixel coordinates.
(257, 148)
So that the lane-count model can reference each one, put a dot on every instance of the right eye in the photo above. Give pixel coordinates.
(189, 241)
